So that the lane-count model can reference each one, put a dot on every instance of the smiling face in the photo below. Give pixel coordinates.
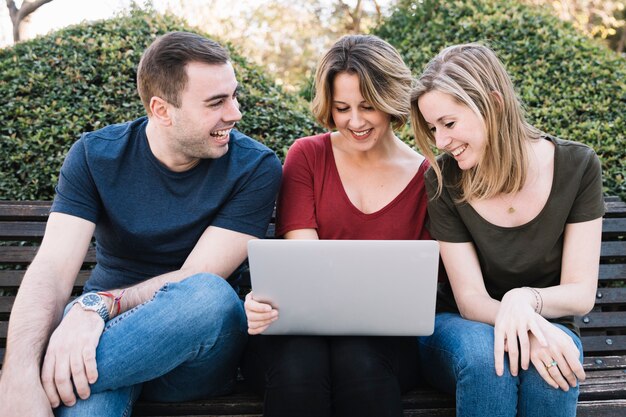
(357, 121)
(208, 111)
(456, 129)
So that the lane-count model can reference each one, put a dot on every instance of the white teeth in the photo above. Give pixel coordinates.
(362, 133)
(458, 151)
(219, 133)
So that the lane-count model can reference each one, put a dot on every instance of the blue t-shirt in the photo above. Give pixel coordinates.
(148, 218)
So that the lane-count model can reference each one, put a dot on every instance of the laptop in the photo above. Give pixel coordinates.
(347, 287)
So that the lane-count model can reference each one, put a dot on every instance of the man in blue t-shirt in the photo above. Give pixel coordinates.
(172, 199)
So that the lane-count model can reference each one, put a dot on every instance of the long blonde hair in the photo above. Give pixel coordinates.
(474, 76)
(385, 80)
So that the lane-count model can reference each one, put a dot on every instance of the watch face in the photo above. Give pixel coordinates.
(91, 300)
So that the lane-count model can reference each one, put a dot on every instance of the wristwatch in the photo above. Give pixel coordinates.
(94, 302)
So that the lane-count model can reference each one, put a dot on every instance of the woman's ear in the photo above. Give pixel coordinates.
(160, 110)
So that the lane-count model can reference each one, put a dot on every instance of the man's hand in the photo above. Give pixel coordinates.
(71, 357)
(14, 402)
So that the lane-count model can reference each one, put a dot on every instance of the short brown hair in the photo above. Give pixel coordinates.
(161, 71)
(385, 80)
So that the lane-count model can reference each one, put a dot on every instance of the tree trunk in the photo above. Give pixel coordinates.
(622, 42)
(18, 15)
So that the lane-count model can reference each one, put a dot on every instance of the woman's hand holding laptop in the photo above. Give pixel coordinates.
(260, 315)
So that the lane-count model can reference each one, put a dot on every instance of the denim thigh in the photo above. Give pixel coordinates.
(458, 358)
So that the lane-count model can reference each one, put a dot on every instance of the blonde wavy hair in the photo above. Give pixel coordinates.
(385, 80)
(474, 76)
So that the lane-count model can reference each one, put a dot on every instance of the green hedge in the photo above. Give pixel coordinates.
(572, 86)
(83, 78)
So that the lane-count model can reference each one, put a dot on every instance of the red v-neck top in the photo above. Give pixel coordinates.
(312, 197)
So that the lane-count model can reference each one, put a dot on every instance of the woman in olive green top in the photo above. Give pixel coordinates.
(518, 217)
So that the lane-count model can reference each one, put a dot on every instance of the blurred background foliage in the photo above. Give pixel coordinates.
(83, 77)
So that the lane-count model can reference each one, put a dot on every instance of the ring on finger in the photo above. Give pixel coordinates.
(551, 364)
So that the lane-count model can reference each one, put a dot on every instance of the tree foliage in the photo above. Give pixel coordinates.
(83, 77)
(572, 86)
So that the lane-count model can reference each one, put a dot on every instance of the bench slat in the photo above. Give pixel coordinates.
(608, 389)
(6, 303)
(613, 227)
(608, 296)
(23, 255)
(615, 250)
(22, 210)
(592, 363)
(603, 344)
(612, 272)
(19, 230)
(12, 279)
(605, 320)
(604, 408)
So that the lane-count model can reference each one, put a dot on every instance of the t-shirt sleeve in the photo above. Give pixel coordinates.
(250, 208)
(76, 192)
(589, 202)
(296, 200)
(444, 221)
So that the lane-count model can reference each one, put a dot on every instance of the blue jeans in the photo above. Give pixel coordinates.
(458, 357)
(183, 344)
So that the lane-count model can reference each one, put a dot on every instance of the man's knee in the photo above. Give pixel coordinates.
(207, 300)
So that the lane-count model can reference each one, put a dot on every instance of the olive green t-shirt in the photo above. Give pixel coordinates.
(530, 254)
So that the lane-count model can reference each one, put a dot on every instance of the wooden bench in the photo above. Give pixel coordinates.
(22, 226)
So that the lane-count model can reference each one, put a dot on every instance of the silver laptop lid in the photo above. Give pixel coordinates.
(347, 287)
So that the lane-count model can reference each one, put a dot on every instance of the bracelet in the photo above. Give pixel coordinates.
(538, 299)
(116, 302)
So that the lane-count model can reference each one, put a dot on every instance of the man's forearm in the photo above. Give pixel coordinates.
(144, 291)
(37, 311)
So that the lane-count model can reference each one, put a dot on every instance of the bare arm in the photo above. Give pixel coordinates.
(39, 304)
(467, 283)
(575, 295)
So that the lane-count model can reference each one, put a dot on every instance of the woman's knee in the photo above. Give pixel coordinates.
(463, 347)
(298, 362)
(361, 359)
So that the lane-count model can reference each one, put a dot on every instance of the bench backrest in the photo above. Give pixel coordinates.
(22, 225)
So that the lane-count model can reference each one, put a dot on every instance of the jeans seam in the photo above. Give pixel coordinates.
(129, 404)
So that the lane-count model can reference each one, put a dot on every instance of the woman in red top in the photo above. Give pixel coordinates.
(359, 181)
